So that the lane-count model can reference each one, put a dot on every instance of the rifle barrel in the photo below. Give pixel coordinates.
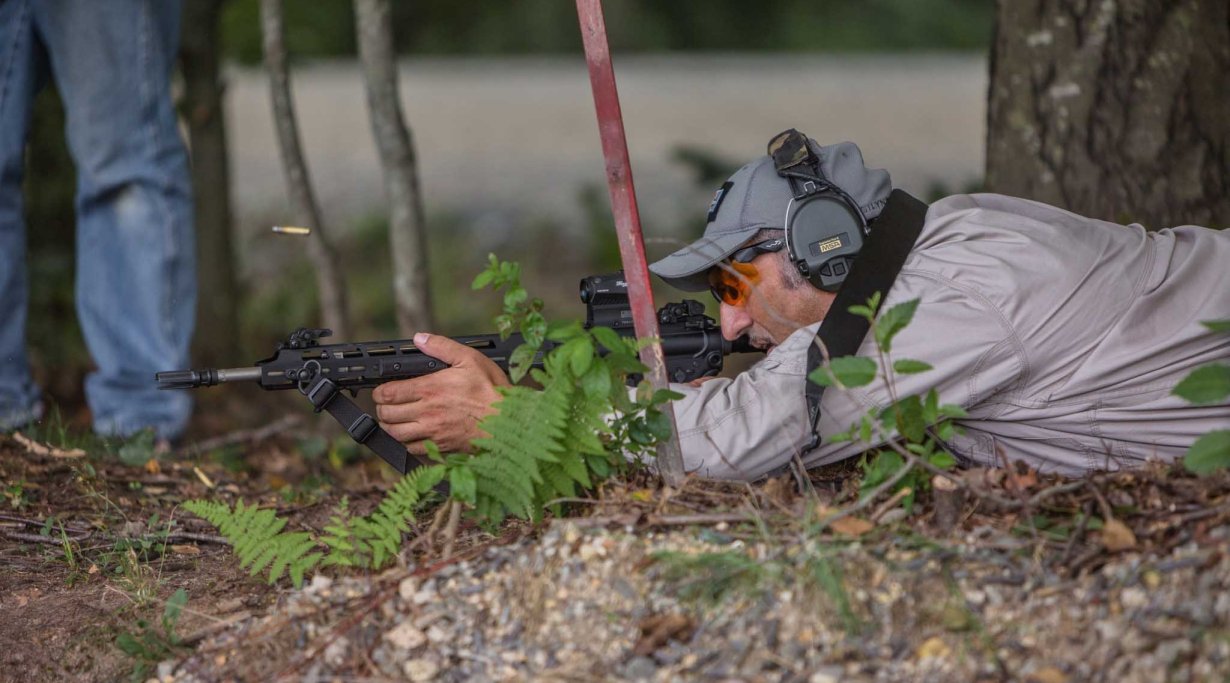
(191, 379)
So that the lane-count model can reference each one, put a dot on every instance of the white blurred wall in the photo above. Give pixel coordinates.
(503, 139)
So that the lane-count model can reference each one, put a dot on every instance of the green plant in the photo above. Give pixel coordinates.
(920, 423)
(805, 565)
(16, 494)
(578, 429)
(259, 541)
(150, 645)
(713, 576)
(371, 541)
(1207, 385)
(139, 449)
(828, 576)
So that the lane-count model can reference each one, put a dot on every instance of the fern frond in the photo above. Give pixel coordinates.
(557, 482)
(257, 539)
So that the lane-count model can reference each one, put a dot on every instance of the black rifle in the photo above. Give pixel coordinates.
(691, 342)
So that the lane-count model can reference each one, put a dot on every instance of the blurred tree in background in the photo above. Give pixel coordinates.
(325, 28)
(202, 109)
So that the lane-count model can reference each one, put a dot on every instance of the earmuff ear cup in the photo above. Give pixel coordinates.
(823, 235)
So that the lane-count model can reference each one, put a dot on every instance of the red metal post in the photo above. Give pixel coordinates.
(627, 218)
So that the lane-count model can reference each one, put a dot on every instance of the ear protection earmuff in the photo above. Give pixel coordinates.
(824, 227)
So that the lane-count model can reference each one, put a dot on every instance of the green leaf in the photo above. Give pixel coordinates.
(608, 338)
(130, 646)
(863, 311)
(907, 415)
(580, 356)
(596, 382)
(482, 279)
(639, 432)
(433, 451)
(175, 603)
(821, 376)
(879, 469)
(462, 483)
(659, 425)
(864, 431)
(1206, 385)
(664, 395)
(853, 371)
(943, 460)
(534, 328)
(1217, 325)
(910, 367)
(139, 449)
(931, 407)
(953, 411)
(564, 331)
(520, 360)
(1211, 452)
(893, 321)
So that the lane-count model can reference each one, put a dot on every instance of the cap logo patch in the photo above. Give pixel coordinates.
(717, 200)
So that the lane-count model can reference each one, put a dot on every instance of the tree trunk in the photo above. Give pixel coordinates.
(329, 276)
(217, 319)
(1116, 109)
(407, 227)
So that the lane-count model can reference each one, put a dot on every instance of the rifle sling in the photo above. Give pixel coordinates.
(362, 427)
(892, 237)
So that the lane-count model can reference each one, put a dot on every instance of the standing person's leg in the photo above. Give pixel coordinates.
(136, 279)
(20, 65)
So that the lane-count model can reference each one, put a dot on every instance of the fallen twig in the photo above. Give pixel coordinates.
(217, 626)
(256, 435)
(37, 448)
(450, 531)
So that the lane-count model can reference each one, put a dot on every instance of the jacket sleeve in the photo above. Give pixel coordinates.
(756, 423)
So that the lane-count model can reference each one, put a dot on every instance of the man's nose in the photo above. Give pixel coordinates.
(735, 321)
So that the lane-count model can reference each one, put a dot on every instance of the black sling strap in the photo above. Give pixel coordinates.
(892, 236)
(362, 427)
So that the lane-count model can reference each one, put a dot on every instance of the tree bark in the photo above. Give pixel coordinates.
(329, 277)
(1116, 109)
(217, 318)
(407, 226)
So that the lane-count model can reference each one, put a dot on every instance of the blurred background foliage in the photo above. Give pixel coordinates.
(270, 307)
(325, 28)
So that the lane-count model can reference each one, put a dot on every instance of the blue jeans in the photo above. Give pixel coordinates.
(136, 272)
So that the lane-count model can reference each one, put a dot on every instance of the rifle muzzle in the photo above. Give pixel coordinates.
(191, 379)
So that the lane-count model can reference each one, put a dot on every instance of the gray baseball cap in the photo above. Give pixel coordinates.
(755, 198)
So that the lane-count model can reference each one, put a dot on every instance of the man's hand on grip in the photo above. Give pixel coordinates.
(444, 406)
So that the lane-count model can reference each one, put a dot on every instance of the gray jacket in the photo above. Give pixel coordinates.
(1060, 335)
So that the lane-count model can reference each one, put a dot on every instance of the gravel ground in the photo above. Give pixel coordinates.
(579, 604)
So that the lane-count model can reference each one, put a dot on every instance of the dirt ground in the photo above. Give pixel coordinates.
(93, 546)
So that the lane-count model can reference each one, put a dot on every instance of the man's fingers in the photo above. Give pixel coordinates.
(394, 413)
(397, 391)
(444, 348)
(406, 432)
